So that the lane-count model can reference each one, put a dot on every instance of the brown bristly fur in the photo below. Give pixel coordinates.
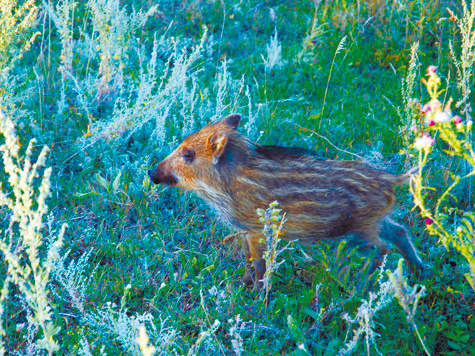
(323, 199)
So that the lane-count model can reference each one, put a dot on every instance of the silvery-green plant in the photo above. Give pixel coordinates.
(204, 344)
(28, 266)
(155, 96)
(392, 284)
(63, 18)
(220, 299)
(205, 335)
(102, 49)
(30, 347)
(112, 29)
(314, 35)
(85, 349)
(237, 341)
(407, 296)
(273, 58)
(222, 83)
(409, 111)
(251, 125)
(125, 328)
(364, 318)
(73, 278)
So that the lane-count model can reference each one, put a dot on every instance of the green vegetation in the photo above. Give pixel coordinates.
(112, 87)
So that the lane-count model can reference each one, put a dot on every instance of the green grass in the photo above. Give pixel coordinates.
(167, 244)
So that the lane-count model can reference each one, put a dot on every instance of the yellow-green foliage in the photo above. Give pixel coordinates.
(16, 22)
(143, 341)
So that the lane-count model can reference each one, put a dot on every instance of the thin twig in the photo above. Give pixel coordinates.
(67, 159)
(335, 147)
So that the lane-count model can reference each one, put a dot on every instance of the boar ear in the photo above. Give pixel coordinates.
(232, 120)
(216, 144)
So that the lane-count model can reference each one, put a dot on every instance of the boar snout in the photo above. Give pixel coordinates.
(160, 175)
(150, 174)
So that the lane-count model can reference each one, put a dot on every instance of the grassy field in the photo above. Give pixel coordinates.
(113, 87)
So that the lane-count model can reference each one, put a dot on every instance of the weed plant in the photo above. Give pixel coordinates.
(112, 87)
(453, 225)
(270, 217)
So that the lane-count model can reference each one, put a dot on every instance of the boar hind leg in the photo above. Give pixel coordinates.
(398, 235)
(255, 263)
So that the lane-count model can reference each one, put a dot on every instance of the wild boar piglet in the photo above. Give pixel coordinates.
(322, 199)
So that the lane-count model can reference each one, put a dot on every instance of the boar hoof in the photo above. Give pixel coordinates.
(247, 279)
(424, 271)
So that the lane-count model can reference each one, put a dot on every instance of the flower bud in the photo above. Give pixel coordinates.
(457, 120)
(426, 108)
(431, 70)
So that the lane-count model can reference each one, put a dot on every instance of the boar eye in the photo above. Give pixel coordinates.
(188, 156)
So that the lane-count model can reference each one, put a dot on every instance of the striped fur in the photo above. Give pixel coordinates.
(323, 199)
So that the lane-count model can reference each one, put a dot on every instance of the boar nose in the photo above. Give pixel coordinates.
(161, 175)
(150, 174)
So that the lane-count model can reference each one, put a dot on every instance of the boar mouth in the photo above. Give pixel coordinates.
(170, 180)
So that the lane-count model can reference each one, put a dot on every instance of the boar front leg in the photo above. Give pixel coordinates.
(248, 277)
(255, 263)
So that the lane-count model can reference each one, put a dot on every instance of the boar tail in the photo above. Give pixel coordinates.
(406, 177)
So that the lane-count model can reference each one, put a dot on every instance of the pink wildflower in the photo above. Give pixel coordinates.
(424, 142)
